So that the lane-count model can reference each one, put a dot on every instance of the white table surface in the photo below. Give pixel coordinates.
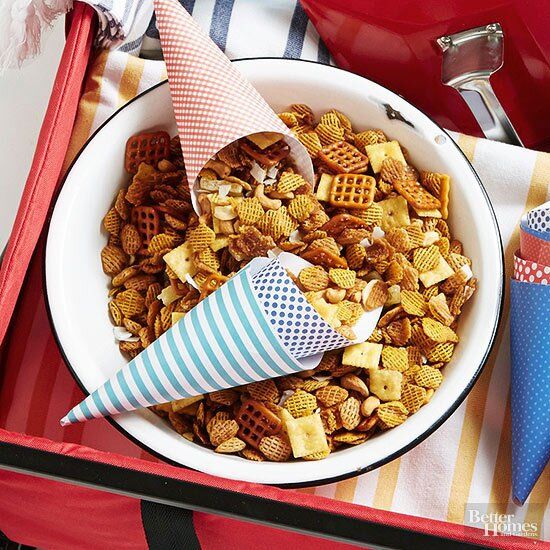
(24, 95)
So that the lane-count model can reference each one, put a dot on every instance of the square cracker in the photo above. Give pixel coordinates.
(180, 261)
(365, 355)
(385, 384)
(378, 152)
(306, 434)
(395, 213)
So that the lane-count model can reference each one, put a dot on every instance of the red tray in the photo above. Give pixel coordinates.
(57, 485)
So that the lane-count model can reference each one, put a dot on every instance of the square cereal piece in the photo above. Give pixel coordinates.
(439, 273)
(395, 358)
(365, 355)
(385, 384)
(395, 213)
(323, 187)
(378, 152)
(306, 434)
(180, 261)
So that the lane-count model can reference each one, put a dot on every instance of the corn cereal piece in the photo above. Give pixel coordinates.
(349, 312)
(395, 213)
(370, 137)
(438, 332)
(265, 390)
(374, 295)
(350, 438)
(250, 210)
(222, 431)
(392, 414)
(414, 303)
(201, 237)
(378, 152)
(180, 404)
(232, 445)
(441, 352)
(301, 207)
(349, 413)
(130, 302)
(372, 215)
(416, 235)
(306, 435)
(365, 355)
(311, 141)
(314, 278)
(317, 456)
(331, 395)
(439, 273)
(344, 278)
(413, 397)
(329, 133)
(301, 403)
(425, 259)
(385, 384)
(395, 358)
(289, 181)
(180, 261)
(113, 260)
(428, 377)
(355, 255)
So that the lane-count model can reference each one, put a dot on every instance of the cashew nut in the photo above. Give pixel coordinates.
(369, 405)
(221, 169)
(354, 383)
(266, 202)
(335, 295)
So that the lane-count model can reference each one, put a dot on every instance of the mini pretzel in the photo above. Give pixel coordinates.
(256, 421)
(338, 223)
(149, 148)
(342, 157)
(416, 195)
(147, 221)
(320, 256)
(269, 156)
(213, 282)
(352, 191)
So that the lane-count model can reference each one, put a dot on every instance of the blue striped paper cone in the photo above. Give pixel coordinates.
(257, 325)
(530, 380)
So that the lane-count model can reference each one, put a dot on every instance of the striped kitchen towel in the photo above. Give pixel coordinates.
(466, 462)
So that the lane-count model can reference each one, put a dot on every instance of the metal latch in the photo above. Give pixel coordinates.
(469, 59)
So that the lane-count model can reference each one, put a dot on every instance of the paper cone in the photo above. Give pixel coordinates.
(539, 218)
(213, 103)
(530, 272)
(532, 247)
(229, 339)
(530, 380)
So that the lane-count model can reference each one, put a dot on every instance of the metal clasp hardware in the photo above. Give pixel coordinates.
(469, 59)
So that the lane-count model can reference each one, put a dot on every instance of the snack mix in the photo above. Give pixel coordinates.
(374, 229)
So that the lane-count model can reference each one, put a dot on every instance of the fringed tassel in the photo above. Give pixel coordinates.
(21, 25)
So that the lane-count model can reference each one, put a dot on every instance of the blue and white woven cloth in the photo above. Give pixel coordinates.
(277, 28)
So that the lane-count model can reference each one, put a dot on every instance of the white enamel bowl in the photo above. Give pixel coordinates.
(77, 287)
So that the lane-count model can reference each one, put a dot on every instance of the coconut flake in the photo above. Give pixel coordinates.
(365, 242)
(272, 172)
(223, 190)
(257, 172)
(122, 335)
(378, 233)
(284, 397)
(268, 182)
(294, 237)
(467, 271)
(191, 281)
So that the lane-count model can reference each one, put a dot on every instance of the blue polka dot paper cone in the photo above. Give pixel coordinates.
(293, 319)
(530, 383)
(538, 219)
(229, 339)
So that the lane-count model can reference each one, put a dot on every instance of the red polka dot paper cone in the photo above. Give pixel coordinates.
(214, 104)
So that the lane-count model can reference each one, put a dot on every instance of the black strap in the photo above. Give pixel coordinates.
(168, 527)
